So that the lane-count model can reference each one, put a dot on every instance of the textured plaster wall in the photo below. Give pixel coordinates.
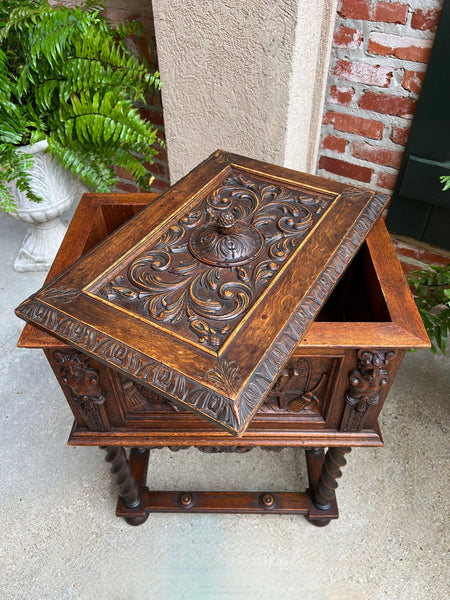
(310, 60)
(240, 76)
(225, 67)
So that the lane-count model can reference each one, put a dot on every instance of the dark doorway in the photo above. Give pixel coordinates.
(419, 208)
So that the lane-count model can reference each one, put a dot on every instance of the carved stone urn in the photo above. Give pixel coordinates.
(56, 187)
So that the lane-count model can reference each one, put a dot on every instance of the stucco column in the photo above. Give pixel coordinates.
(246, 77)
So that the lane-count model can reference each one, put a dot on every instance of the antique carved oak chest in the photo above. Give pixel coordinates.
(250, 305)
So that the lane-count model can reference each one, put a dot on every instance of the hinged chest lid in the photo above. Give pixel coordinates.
(204, 295)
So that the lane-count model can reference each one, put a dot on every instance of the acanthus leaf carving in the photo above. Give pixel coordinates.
(204, 273)
(63, 293)
(224, 376)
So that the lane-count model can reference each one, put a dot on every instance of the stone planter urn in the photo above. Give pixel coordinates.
(56, 186)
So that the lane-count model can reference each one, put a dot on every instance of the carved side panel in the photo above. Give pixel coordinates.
(365, 385)
(300, 388)
(85, 391)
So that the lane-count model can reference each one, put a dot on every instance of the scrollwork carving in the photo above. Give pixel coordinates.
(205, 271)
(211, 449)
(224, 449)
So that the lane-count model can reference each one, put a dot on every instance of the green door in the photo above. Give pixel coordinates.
(419, 207)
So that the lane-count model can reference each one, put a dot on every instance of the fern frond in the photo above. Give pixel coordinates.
(10, 129)
(107, 119)
(84, 164)
(22, 16)
(14, 169)
(7, 83)
(128, 28)
(66, 74)
(109, 64)
(93, 6)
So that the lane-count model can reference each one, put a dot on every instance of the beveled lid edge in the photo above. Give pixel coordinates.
(266, 372)
(166, 381)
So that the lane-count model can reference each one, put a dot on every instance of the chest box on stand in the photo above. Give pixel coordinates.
(248, 306)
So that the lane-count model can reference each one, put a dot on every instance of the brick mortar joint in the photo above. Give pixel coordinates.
(388, 124)
(406, 243)
(401, 29)
(354, 139)
(360, 162)
(355, 55)
(395, 88)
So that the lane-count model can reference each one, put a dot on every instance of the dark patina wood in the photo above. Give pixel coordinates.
(130, 475)
(361, 332)
(205, 295)
(297, 503)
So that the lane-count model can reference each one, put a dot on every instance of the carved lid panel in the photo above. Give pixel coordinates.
(206, 271)
(203, 296)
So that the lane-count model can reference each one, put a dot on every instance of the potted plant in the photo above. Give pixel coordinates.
(69, 85)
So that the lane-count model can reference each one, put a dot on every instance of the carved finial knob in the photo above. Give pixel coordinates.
(226, 242)
(226, 222)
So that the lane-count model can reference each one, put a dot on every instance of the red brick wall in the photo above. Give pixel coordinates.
(378, 60)
(153, 110)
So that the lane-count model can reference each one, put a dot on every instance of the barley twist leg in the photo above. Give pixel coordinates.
(324, 492)
(120, 468)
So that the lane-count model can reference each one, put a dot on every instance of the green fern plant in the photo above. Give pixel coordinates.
(445, 180)
(68, 76)
(431, 289)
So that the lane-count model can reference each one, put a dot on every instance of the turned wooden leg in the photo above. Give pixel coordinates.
(323, 493)
(323, 470)
(129, 489)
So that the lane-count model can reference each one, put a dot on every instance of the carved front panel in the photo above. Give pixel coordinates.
(204, 273)
(139, 399)
(301, 388)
